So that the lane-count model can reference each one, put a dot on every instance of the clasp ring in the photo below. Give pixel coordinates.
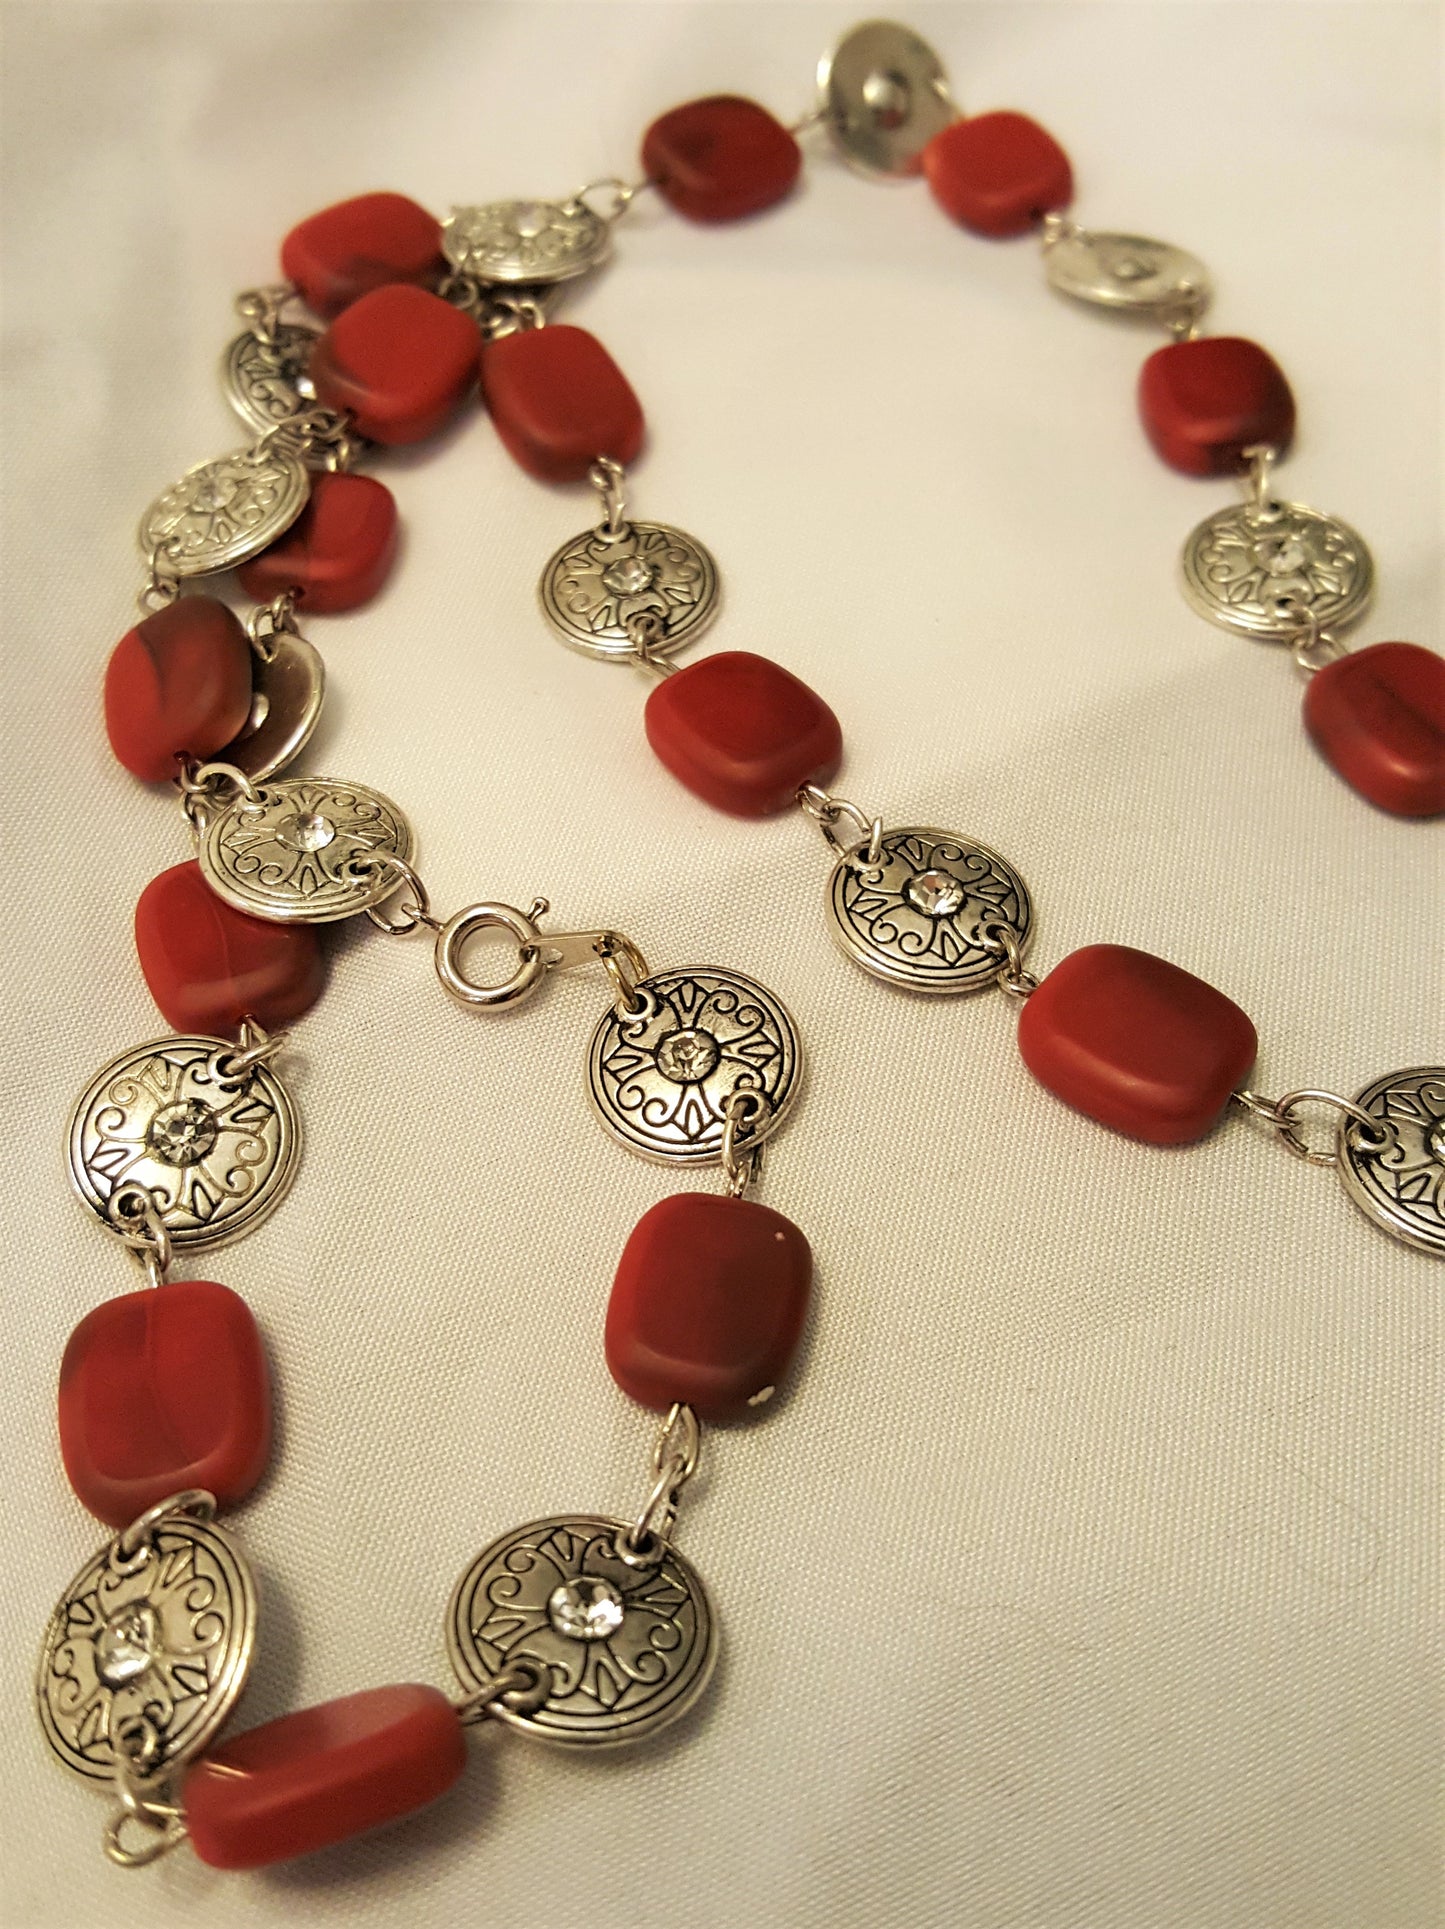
(453, 936)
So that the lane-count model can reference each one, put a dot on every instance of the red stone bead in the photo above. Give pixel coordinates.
(401, 360)
(209, 966)
(1204, 403)
(720, 158)
(177, 685)
(337, 553)
(998, 174)
(1138, 1044)
(1379, 717)
(708, 1305)
(742, 732)
(559, 401)
(322, 1775)
(162, 1390)
(347, 250)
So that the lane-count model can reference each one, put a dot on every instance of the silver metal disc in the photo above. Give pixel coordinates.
(221, 512)
(1127, 271)
(916, 917)
(286, 697)
(1400, 1184)
(660, 1082)
(265, 382)
(628, 1648)
(165, 1635)
(536, 241)
(1256, 571)
(596, 584)
(297, 853)
(216, 1154)
(884, 94)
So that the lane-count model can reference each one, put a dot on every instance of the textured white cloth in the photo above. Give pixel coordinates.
(1087, 1576)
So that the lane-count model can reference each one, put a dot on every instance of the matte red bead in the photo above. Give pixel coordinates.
(337, 553)
(742, 732)
(401, 360)
(322, 1775)
(1379, 717)
(708, 1304)
(177, 685)
(719, 158)
(998, 174)
(559, 401)
(209, 966)
(1138, 1044)
(162, 1390)
(1203, 403)
(346, 250)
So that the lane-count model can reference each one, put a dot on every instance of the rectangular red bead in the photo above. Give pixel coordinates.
(1203, 403)
(998, 173)
(348, 249)
(742, 732)
(720, 158)
(1378, 715)
(399, 360)
(559, 401)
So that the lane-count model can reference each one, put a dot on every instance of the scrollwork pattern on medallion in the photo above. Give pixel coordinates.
(262, 378)
(521, 241)
(919, 916)
(595, 587)
(222, 512)
(1267, 572)
(1402, 1182)
(305, 850)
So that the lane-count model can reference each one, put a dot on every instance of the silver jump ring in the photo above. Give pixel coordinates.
(1294, 1141)
(194, 1501)
(417, 911)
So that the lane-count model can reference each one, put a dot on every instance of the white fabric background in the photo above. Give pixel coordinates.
(1087, 1577)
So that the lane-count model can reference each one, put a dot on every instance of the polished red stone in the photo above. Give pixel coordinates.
(1379, 717)
(559, 401)
(209, 966)
(1138, 1044)
(720, 158)
(346, 250)
(742, 732)
(177, 685)
(400, 360)
(322, 1775)
(1204, 402)
(708, 1304)
(337, 553)
(998, 174)
(162, 1390)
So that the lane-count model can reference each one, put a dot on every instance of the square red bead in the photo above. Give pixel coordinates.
(720, 158)
(348, 249)
(998, 174)
(559, 401)
(399, 360)
(1378, 715)
(1203, 403)
(338, 552)
(742, 732)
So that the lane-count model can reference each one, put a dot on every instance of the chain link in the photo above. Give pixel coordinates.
(1011, 977)
(826, 811)
(742, 1164)
(1281, 1115)
(675, 1456)
(135, 1216)
(522, 1687)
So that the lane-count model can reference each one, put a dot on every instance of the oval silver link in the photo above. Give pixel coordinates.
(624, 193)
(1012, 977)
(825, 811)
(609, 478)
(521, 1688)
(416, 911)
(742, 1164)
(1280, 1113)
(675, 1457)
(132, 1212)
(269, 620)
(136, 1538)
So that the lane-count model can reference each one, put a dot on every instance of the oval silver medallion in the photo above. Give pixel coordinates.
(287, 690)
(884, 95)
(265, 382)
(660, 1082)
(1260, 571)
(596, 585)
(917, 917)
(223, 511)
(628, 1648)
(164, 1636)
(1400, 1183)
(215, 1153)
(305, 850)
(521, 241)
(1127, 271)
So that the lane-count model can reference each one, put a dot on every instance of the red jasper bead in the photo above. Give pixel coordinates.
(1203, 403)
(559, 401)
(209, 966)
(401, 360)
(162, 1390)
(346, 250)
(337, 553)
(708, 1304)
(720, 158)
(1138, 1044)
(177, 685)
(742, 732)
(322, 1775)
(1379, 717)
(998, 173)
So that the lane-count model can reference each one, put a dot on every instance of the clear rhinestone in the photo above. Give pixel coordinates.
(126, 1645)
(938, 894)
(182, 1133)
(305, 831)
(687, 1056)
(587, 1609)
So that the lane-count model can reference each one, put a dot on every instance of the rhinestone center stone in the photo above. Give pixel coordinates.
(182, 1133)
(587, 1609)
(305, 831)
(687, 1056)
(1436, 1140)
(629, 576)
(127, 1644)
(938, 894)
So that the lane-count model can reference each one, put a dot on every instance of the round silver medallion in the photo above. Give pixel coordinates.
(1262, 571)
(918, 917)
(537, 241)
(265, 382)
(1127, 271)
(596, 585)
(222, 512)
(286, 695)
(884, 95)
(215, 1153)
(1400, 1183)
(660, 1082)
(627, 1648)
(305, 850)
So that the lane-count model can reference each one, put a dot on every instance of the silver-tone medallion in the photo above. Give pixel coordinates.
(884, 95)
(1268, 572)
(1127, 271)
(1400, 1183)
(214, 1152)
(305, 850)
(287, 689)
(522, 241)
(628, 1648)
(223, 511)
(265, 382)
(660, 1082)
(157, 1643)
(597, 585)
(919, 916)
